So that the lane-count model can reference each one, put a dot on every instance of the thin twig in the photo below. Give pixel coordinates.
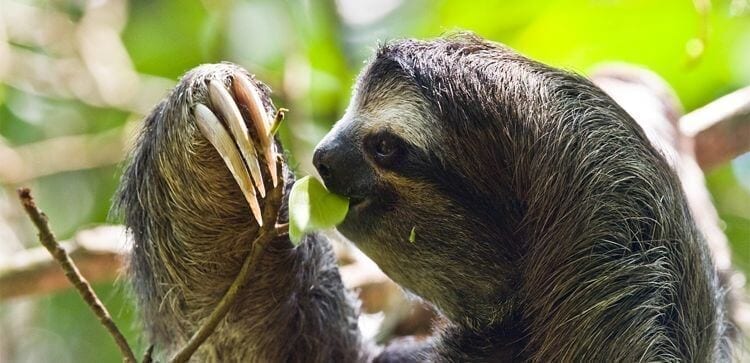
(268, 232)
(227, 301)
(48, 240)
(277, 119)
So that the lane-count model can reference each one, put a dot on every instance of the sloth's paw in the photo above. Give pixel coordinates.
(238, 126)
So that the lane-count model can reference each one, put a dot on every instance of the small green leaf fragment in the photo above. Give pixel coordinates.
(312, 208)
(295, 234)
(413, 234)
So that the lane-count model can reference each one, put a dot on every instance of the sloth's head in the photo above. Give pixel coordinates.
(463, 142)
(420, 154)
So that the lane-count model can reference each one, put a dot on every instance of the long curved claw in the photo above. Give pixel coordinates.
(218, 136)
(247, 94)
(225, 105)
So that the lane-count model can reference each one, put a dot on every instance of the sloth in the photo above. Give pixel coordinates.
(547, 226)
(519, 200)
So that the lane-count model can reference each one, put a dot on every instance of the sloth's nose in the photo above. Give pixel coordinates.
(337, 165)
(320, 160)
(341, 166)
(323, 161)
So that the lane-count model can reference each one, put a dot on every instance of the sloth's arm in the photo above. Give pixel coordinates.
(190, 197)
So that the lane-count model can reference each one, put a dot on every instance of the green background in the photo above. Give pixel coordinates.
(309, 52)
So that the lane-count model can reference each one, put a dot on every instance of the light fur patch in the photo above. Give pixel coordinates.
(399, 109)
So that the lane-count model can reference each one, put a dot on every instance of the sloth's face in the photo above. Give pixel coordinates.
(414, 209)
(378, 156)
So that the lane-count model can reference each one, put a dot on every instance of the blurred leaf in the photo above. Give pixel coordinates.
(495, 19)
(66, 316)
(732, 201)
(162, 37)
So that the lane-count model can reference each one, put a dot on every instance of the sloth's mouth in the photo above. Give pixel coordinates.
(372, 201)
(358, 203)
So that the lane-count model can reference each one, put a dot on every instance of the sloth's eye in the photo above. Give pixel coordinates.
(385, 148)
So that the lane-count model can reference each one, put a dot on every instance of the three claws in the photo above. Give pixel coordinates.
(232, 139)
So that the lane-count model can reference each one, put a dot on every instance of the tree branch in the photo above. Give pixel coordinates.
(49, 241)
(27, 162)
(720, 129)
(98, 252)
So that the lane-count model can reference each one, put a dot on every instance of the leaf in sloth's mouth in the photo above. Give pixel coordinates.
(312, 207)
(232, 139)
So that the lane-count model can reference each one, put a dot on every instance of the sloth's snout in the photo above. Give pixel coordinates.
(339, 165)
(323, 160)
(342, 166)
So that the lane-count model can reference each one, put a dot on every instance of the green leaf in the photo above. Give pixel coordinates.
(312, 208)
(295, 234)
(413, 234)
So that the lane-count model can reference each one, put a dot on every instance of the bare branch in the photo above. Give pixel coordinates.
(31, 161)
(720, 129)
(49, 241)
(97, 252)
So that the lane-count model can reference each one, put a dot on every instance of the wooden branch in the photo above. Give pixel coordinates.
(98, 252)
(49, 241)
(27, 162)
(267, 233)
(720, 130)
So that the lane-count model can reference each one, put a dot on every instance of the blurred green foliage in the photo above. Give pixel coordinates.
(309, 52)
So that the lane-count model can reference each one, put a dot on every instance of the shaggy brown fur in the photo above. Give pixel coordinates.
(547, 227)
(193, 228)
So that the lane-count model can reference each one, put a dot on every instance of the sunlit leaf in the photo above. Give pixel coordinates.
(312, 208)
